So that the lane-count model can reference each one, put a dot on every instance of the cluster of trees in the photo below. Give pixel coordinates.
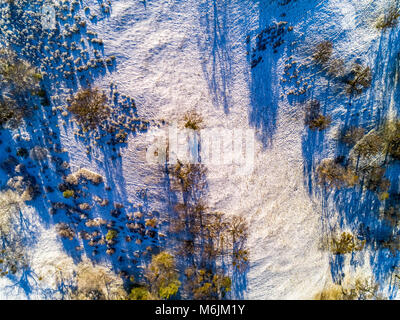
(161, 279)
(19, 84)
(331, 173)
(205, 240)
(13, 256)
(356, 78)
(357, 288)
(376, 144)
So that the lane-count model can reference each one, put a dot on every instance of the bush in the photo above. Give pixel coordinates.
(111, 235)
(346, 243)
(192, 120)
(162, 276)
(323, 52)
(188, 176)
(9, 112)
(320, 123)
(97, 283)
(64, 231)
(140, 293)
(151, 222)
(13, 256)
(391, 134)
(84, 174)
(19, 76)
(370, 145)
(388, 19)
(359, 78)
(207, 285)
(89, 107)
(353, 289)
(351, 136)
(68, 193)
(375, 180)
(313, 119)
(10, 206)
(333, 174)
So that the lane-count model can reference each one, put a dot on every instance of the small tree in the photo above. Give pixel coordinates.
(370, 145)
(313, 119)
(333, 174)
(345, 243)
(352, 289)
(323, 52)
(391, 134)
(89, 107)
(360, 78)
(192, 120)
(389, 19)
(351, 135)
(162, 276)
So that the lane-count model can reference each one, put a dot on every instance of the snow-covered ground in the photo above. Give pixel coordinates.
(175, 56)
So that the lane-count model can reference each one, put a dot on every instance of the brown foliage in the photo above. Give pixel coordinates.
(334, 174)
(89, 107)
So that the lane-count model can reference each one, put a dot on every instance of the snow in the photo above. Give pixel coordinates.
(177, 56)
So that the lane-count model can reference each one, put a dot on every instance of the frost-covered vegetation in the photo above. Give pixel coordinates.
(138, 232)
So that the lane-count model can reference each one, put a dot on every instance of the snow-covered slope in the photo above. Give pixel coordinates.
(179, 55)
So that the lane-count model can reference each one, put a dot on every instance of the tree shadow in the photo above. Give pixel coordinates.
(356, 208)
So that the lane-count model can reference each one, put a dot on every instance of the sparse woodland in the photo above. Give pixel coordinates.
(123, 248)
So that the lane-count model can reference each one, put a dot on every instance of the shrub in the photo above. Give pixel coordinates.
(351, 136)
(151, 222)
(192, 120)
(111, 234)
(313, 119)
(162, 276)
(68, 193)
(375, 180)
(13, 256)
(140, 293)
(9, 112)
(370, 145)
(187, 176)
(320, 123)
(89, 107)
(353, 289)
(388, 19)
(10, 206)
(19, 76)
(207, 285)
(86, 174)
(334, 174)
(346, 243)
(358, 79)
(97, 283)
(391, 134)
(323, 52)
(64, 231)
